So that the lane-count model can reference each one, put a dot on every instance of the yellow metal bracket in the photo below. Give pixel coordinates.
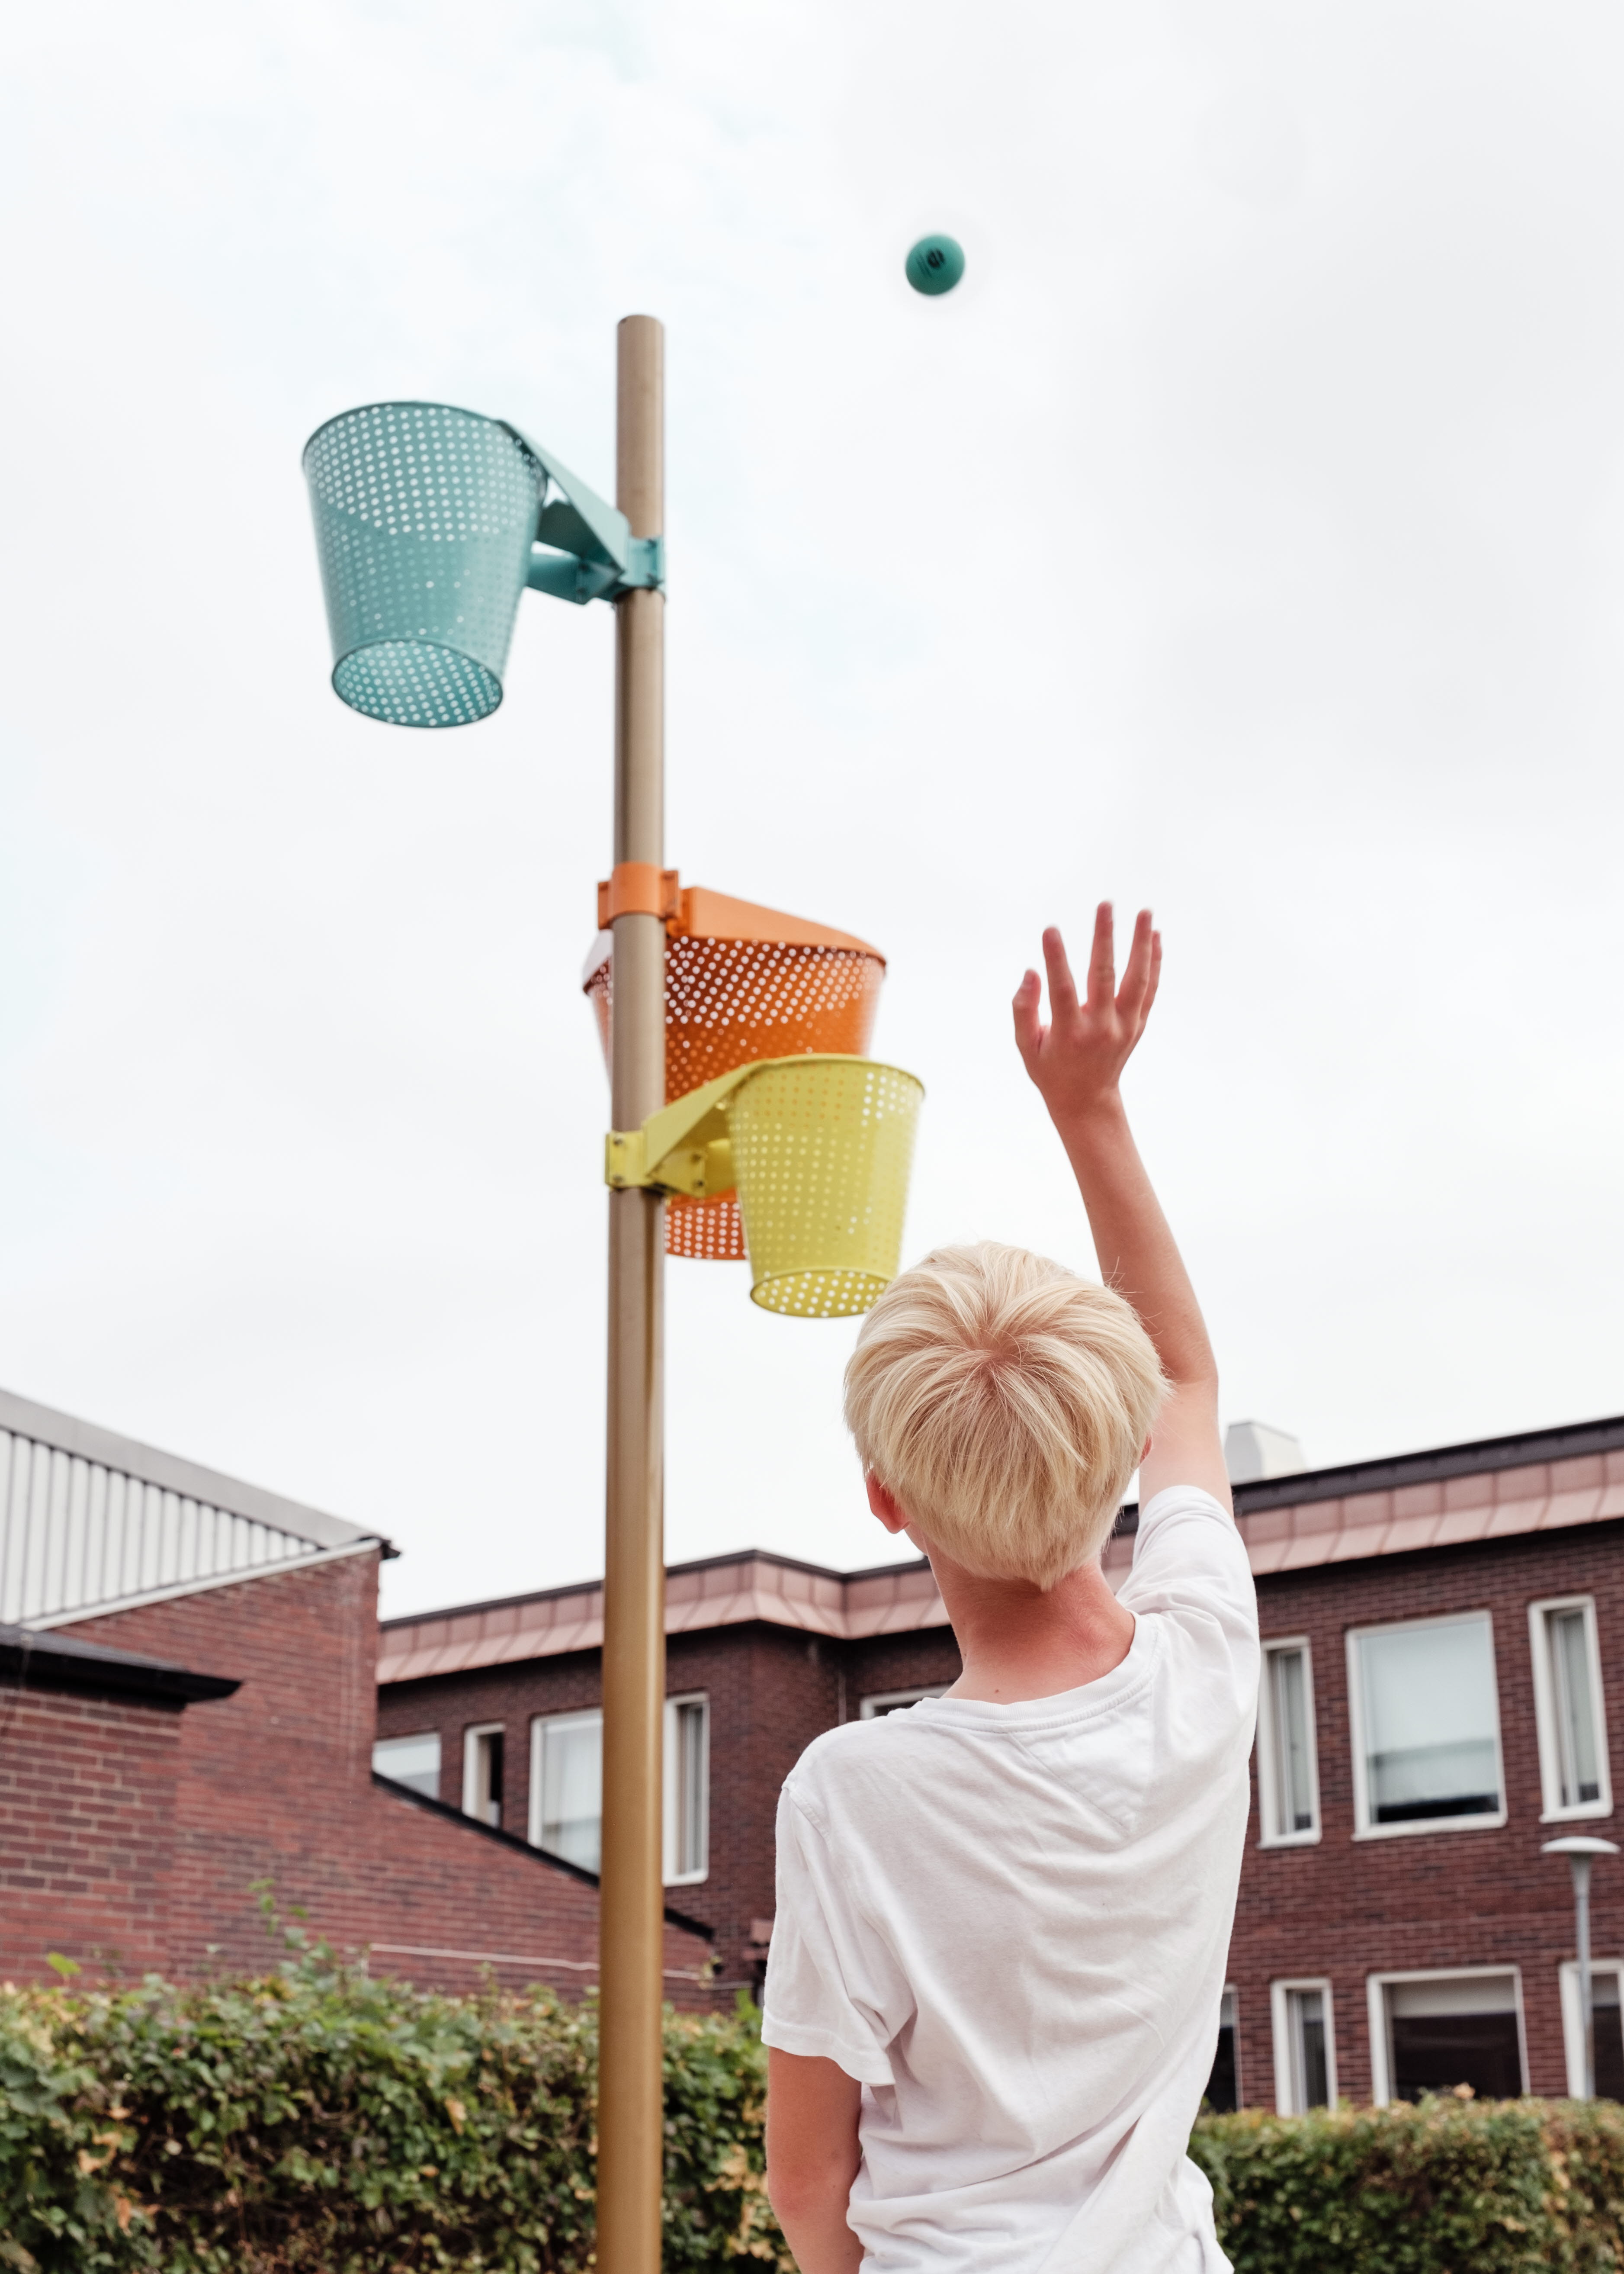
(685, 1147)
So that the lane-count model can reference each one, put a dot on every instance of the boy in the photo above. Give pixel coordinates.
(1003, 1914)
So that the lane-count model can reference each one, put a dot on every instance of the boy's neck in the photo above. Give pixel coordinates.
(1019, 1642)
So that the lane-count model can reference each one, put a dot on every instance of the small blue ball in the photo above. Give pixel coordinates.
(935, 265)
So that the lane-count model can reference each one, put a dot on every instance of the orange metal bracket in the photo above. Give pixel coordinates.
(637, 888)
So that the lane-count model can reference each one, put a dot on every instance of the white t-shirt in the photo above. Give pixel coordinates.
(1009, 1924)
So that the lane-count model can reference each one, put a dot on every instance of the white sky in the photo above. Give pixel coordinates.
(1246, 534)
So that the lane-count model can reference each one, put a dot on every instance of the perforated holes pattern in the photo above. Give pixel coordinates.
(822, 1153)
(424, 520)
(729, 1002)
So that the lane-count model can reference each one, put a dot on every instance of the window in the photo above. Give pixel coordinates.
(482, 1773)
(1429, 2032)
(1223, 2086)
(1567, 1707)
(411, 1761)
(891, 1701)
(1304, 2046)
(1288, 1765)
(567, 1787)
(688, 1794)
(1426, 1727)
(1609, 2038)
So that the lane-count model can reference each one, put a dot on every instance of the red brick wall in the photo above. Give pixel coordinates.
(771, 1691)
(87, 1799)
(276, 1783)
(1349, 1907)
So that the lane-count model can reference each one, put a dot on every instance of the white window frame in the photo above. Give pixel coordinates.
(1280, 2024)
(673, 1876)
(1545, 1712)
(582, 1716)
(411, 1737)
(1268, 1749)
(470, 1766)
(1376, 1988)
(577, 1719)
(1362, 1827)
(883, 1701)
(1573, 2027)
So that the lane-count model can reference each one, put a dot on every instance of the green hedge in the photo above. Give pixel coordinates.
(318, 2118)
(1453, 2186)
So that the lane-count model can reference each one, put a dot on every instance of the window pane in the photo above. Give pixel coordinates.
(1294, 1803)
(1309, 2073)
(1446, 2033)
(1576, 1707)
(689, 1771)
(488, 1779)
(1223, 2092)
(572, 1788)
(1428, 1695)
(1609, 2040)
(411, 1761)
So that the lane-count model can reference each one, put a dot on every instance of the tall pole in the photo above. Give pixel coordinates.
(630, 2136)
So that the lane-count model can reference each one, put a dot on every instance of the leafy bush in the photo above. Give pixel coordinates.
(320, 2118)
(1453, 2186)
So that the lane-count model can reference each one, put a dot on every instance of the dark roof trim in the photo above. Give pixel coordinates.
(52, 1661)
(512, 1840)
(1481, 1457)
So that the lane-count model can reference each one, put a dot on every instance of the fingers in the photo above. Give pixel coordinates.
(1156, 977)
(1136, 975)
(1061, 986)
(1102, 961)
(1028, 1027)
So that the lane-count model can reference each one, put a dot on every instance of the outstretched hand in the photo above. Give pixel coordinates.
(1077, 1060)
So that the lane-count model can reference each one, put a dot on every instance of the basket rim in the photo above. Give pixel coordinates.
(420, 403)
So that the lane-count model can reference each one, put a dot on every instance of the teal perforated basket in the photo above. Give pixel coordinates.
(424, 517)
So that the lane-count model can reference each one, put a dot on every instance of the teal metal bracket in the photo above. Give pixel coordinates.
(589, 552)
(571, 576)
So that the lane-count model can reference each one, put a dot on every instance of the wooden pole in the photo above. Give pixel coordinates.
(630, 2135)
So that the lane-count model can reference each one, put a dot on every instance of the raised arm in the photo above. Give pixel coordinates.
(1076, 1062)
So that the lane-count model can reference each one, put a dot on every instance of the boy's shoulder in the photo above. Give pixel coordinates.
(848, 1756)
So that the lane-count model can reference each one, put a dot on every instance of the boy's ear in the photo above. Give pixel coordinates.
(883, 1506)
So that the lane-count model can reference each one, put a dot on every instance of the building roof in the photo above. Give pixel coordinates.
(33, 1662)
(90, 1521)
(1451, 1496)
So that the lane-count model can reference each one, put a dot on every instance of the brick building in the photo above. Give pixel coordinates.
(1444, 1676)
(187, 1702)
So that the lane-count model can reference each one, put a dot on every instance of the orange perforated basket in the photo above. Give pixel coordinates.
(744, 983)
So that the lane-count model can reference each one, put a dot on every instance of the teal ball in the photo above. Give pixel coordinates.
(935, 265)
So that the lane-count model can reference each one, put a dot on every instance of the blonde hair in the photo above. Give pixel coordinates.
(1003, 1402)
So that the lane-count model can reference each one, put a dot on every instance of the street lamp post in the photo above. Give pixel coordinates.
(1581, 1852)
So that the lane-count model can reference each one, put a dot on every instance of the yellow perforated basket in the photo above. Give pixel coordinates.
(821, 1147)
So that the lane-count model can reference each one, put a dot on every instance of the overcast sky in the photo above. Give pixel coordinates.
(1246, 536)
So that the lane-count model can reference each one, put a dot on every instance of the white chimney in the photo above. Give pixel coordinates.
(1252, 1450)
